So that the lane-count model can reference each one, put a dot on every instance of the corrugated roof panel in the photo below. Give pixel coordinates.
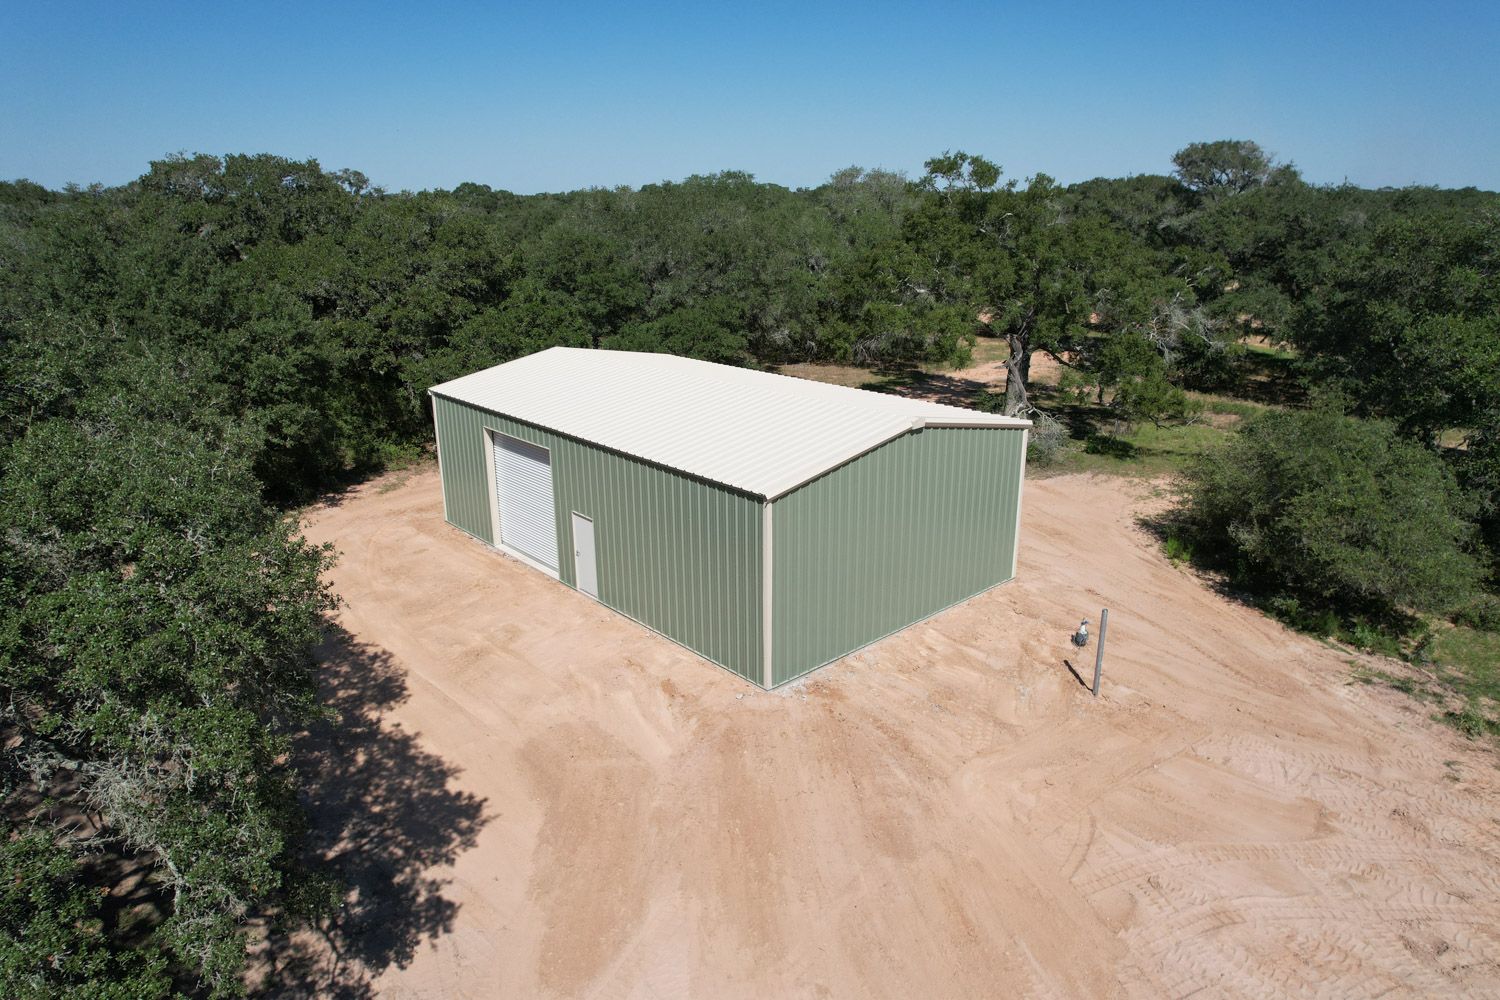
(758, 432)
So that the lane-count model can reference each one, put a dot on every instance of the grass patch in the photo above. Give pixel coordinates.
(988, 350)
(1178, 550)
(1110, 445)
(853, 376)
(1141, 449)
(1098, 441)
(1470, 660)
(1227, 406)
(1406, 684)
(1456, 670)
(1473, 721)
(1264, 347)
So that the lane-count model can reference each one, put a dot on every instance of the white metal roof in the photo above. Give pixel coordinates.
(758, 432)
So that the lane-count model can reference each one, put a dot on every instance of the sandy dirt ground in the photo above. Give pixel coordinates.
(947, 813)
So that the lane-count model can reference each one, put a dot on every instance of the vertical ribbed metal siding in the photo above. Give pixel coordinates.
(675, 553)
(460, 432)
(898, 534)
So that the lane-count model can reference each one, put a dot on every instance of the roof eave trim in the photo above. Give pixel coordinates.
(807, 474)
(1002, 423)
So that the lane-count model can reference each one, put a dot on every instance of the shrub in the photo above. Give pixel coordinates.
(1372, 638)
(1153, 397)
(1340, 512)
(1482, 614)
(1178, 550)
(1471, 720)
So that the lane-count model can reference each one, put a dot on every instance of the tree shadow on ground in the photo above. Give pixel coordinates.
(1171, 524)
(934, 386)
(1083, 419)
(383, 815)
(1269, 379)
(1311, 613)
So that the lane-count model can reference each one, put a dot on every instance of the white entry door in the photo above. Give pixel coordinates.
(585, 569)
(523, 492)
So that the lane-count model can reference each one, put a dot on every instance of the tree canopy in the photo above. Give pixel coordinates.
(1339, 510)
(186, 358)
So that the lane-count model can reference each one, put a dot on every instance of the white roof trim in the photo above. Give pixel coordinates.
(760, 433)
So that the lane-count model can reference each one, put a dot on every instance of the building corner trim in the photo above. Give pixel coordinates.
(767, 597)
(437, 446)
(1015, 538)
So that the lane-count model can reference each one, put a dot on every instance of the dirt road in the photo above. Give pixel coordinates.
(945, 814)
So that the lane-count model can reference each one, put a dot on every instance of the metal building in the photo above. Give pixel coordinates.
(770, 524)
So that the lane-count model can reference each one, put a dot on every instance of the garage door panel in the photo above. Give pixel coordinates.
(528, 510)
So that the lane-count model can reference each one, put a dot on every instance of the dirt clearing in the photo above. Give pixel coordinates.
(945, 814)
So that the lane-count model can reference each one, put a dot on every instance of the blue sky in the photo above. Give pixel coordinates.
(555, 96)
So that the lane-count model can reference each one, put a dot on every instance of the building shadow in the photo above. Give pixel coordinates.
(383, 816)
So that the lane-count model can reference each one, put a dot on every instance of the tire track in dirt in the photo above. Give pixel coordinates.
(946, 813)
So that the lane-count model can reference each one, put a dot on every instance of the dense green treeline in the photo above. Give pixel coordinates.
(187, 356)
(324, 308)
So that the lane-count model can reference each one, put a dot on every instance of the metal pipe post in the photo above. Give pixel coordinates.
(1099, 653)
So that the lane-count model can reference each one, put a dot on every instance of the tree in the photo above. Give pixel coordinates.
(1001, 257)
(711, 331)
(1337, 511)
(888, 310)
(1139, 374)
(156, 627)
(1035, 266)
(1409, 327)
(1261, 238)
(53, 938)
(960, 172)
(184, 355)
(1146, 206)
(1038, 294)
(590, 267)
(1225, 167)
(532, 319)
(864, 207)
(1478, 469)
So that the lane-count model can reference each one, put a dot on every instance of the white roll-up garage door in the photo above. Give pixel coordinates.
(523, 486)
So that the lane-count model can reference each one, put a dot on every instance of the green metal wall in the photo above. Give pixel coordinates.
(919, 524)
(675, 553)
